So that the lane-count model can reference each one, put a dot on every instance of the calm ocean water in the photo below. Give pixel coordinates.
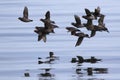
(19, 48)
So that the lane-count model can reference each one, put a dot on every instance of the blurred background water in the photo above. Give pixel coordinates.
(19, 48)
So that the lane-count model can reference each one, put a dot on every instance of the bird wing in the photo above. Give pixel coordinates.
(77, 19)
(44, 38)
(101, 19)
(47, 15)
(87, 12)
(39, 37)
(98, 9)
(25, 12)
(79, 41)
(93, 32)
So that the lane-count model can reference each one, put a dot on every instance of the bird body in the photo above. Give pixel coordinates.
(80, 38)
(89, 25)
(47, 18)
(88, 15)
(25, 16)
(96, 12)
(78, 23)
(72, 30)
(41, 33)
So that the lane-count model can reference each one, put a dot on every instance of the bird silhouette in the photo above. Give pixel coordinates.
(88, 14)
(78, 23)
(41, 33)
(100, 27)
(72, 30)
(96, 12)
(81, 36)
(89, 25)
(25, 17)
(47, 18)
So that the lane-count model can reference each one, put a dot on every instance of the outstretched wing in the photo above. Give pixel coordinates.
(93, 32)
(39, 37)
(77, 19)
(97, 9)
(25, 12)
(79, 41)
(101, 20)
(44, 38)
(47, 15)
(87, 12)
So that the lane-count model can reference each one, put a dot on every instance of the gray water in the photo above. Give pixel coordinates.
(19, 48)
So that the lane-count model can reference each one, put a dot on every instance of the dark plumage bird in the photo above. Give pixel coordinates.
(78, 23)
(41, 33)
(101, 23)
(88, 15)
(50, 27)
(89, 25)
(48, 23)
(72, 30)
(81, 36)
(25, 16)
(101, 20)
(99, 27)
(96, 12)
(47, 18)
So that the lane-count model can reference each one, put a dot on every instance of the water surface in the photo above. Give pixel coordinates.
(19, 48)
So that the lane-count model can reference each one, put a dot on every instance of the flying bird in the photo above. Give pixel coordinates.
(25, 17)
(47, 18)
(41, 33)
(81, 36)
(78, 23)
(72, 30)
(89, 25)
(88, 15)
(96, 12)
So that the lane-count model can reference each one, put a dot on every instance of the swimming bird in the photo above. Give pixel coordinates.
(78, 23)
(88, 15)
(25, 17)
(72, 30)
(81, 36)
(47, 18)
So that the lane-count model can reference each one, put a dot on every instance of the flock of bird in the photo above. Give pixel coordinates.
(49, 25)
(80, 70)
(90, 16)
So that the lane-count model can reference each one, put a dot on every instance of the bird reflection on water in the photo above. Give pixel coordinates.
(47, 75)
